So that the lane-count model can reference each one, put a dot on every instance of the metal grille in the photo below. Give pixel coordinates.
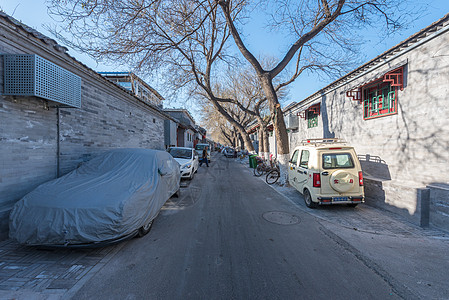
(19, 75)
(31, 75)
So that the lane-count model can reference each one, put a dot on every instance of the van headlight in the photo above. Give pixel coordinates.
(187, 166)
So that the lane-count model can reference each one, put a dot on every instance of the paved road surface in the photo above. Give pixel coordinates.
(230, 236)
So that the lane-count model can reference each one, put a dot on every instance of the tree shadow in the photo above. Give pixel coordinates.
(325, 118)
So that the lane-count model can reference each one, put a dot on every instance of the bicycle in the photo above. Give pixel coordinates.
(273, 175)
(262, 168)
(243, 154)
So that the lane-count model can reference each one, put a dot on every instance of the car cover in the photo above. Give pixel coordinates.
(106, 198)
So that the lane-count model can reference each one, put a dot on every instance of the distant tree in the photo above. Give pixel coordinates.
(242, 89)
(220, 129)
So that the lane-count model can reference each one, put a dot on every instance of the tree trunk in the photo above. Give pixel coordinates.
(266, 142)
(261, 140)
(241, 142)
(248, 144)
(280, 131)
(264, 148)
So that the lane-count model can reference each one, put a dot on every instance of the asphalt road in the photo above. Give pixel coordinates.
(230, 236)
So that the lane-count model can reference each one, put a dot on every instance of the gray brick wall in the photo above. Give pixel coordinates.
(27, 147)
(109, 118)
(106, 122)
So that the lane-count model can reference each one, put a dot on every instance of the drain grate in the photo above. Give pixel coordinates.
(281, 218)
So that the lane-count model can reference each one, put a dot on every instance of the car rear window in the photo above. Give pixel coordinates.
(337, 161)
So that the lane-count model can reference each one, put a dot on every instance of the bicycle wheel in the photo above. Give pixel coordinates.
(272, 176)
(258, 171)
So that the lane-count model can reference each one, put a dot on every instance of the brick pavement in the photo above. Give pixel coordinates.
(45, 271)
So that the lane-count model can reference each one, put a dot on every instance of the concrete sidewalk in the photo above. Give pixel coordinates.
(414, 260)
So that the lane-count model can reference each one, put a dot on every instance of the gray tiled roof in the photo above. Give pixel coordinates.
(32, 31)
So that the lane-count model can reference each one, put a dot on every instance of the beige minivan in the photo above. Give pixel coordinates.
(326, 171)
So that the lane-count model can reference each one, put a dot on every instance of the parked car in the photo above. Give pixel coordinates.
(115, 195)
(229, 152)
(326, 171)
(188, 160)
(199, 149)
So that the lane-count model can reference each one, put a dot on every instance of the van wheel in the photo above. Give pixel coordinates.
(308, 200)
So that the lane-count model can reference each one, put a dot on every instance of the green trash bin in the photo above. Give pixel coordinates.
(252, 161)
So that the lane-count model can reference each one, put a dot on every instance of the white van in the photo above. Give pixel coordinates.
(326, 171)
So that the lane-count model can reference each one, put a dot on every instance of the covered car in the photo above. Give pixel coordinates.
(117, 194)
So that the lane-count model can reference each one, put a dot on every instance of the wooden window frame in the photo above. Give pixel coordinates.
(379, 99)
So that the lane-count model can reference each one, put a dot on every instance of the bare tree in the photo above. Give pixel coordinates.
(246, 84)
(238, 109)
(245, 92)
(222, 131)
(313, 25)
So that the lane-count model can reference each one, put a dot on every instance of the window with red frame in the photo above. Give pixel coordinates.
(312, 114)
(379, 99)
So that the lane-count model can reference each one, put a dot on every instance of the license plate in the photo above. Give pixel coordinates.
(337, 199)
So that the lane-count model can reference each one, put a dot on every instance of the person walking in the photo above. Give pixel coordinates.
(204, 159)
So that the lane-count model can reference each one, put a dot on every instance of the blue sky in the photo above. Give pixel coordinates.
(34, 14)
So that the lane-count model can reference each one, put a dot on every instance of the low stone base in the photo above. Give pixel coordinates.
(396, 198)
(410, 200)
(439, 205)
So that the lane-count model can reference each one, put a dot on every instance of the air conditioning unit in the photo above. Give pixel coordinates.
(32, 75)
(291, 121)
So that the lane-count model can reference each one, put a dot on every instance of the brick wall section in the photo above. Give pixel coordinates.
(109, 118)
(405, 151)
(27, 147)
(106, 122)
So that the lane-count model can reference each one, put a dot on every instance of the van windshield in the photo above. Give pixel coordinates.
(337, 161)
(200, 147)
